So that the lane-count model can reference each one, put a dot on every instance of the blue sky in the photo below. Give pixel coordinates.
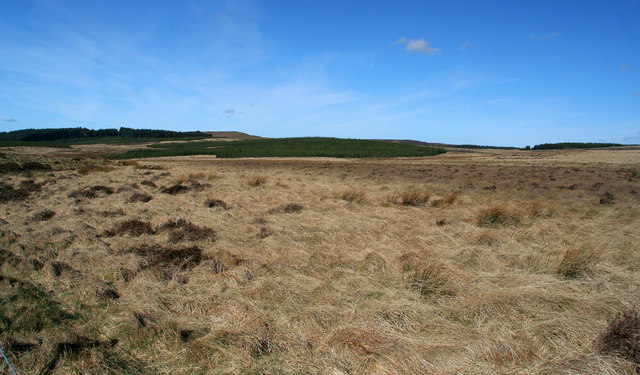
(480, 72)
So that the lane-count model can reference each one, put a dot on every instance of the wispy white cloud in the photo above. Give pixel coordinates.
(534, 36)
(417, 45)
(468, 45)
(9, 120)
(231, 112)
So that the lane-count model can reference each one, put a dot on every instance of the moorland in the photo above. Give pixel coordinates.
(471, 261)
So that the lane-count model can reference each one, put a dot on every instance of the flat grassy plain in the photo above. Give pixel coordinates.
(477, 263)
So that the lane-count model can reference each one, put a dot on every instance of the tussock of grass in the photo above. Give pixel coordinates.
(175, 189)
(414, 197)
(607, 198)
(211, 203)
(288, 208)
(542, 209)
(498, 215)
(183, 230)
(354, 195)
(257, 181)
(139, 197)
(132, 227)
(148, 183)
(578, 260)
(449, 199)
(91, 192)
(622, 337)
(429, 277)
(92, 168)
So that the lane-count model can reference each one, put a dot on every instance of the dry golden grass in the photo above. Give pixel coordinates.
(354, 195)
(226, 278)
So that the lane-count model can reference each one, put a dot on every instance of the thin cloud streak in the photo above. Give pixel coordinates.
(417, 45)
(534, 36)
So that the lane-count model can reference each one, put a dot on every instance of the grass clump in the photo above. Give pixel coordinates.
(354, 195)
(257, 181)
(607, 198)
(139, 197)
(429, 277)
(91, 168)
(175, 189)
(414, 197)
(498, 215)
(132, 227)
(577, 261)
(44, 215)
(211, 203)
(183, 230)
(622, 337)
(91, 192)
(288, 208)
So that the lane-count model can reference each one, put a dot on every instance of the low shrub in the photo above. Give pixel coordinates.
(607, 198)
(622, 337)
(183, 230)
(139, 197)
(132, 227)
(211, 203)
(91, 191)
(44, 215)
(175, 189)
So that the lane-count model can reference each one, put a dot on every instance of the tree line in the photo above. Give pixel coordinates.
(43, 135)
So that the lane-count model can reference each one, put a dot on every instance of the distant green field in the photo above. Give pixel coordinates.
(285, 147)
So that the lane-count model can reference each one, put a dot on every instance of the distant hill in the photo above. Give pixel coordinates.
(233, 135)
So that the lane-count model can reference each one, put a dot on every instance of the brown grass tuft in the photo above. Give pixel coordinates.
(139, 197)
(429, 277)
(607, 198)
(354, 195)
(183, 230)
(498, 215)
(91, 168)
(44, 215)
(211, 203)
(91, 192)
(622, 337)
(165, 260)
(132, 227)
(577, 261)
(175, 189)
(257, 181)
(414, 197)
(288, 208)
(447, 200)
(541, 209)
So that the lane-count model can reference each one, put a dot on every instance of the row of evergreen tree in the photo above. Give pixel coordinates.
(38, 135)
(565, 145)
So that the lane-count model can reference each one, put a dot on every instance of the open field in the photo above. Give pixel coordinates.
(477, 263)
